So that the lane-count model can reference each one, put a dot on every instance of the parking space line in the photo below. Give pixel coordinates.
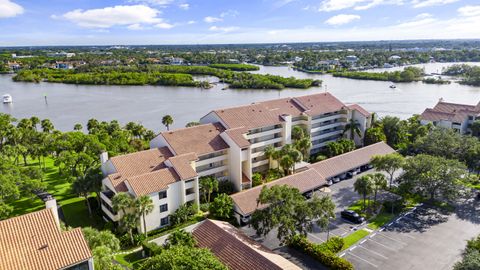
(374, 252)
(378, 243)
(396, 240)
(374, 265)
(316, 237)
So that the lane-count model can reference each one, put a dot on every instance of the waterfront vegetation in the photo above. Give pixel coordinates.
(235, 67)
(409, 74)
(162, 75)
(435, 81)
(470, 75)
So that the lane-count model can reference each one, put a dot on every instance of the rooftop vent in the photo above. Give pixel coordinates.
(43, 247)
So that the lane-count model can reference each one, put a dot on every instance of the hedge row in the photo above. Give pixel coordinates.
(151, 249)
(323, 253)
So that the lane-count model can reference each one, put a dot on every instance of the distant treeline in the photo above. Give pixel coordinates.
(161, 75)
(409, 74)
(235, 67)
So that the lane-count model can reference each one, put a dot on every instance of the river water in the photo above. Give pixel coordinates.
(67, 104)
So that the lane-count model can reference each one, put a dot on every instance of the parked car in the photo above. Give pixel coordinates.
(336, 179)
(349, 175)
(478, 196)
(352, 216)
(329, 182)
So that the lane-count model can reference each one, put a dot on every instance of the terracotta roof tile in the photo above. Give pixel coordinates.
(432, 115)
(236, 250)
(246, 201)
(35, 242)
(137, 163)
(202, 139)
(183, 167)
(452, 107)
(359, 109)
(320, 103)
(237, 135)
(348, 161)
(153, 181)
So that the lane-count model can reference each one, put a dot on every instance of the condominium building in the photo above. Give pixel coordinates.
(458, 117)
(35, 241)
(228, 145)
(250, 129)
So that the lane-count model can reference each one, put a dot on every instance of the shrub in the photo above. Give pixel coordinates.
(257, 179)
(319, 253)
(204, 207)
(334, 244)
(151, 249)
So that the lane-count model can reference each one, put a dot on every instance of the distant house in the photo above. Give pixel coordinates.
(174, 60)
(63, 65)
(35, 241)
(394, 58)
(14, 66)
(236, 250)
(351, 59)
(458, 117)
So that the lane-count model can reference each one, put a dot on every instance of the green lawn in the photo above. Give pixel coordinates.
(354, 238)
(74, 208)
(379, 220)
(130, 260)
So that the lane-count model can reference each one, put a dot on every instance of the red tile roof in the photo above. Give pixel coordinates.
(202, 139)
(348, 161)
(450, 112)
(246, 201)
(236, 250)
(238, 136)
(151, 182)
(183, 167)
(137, 163)
(35, 242)
(321, 103)
(359, 109)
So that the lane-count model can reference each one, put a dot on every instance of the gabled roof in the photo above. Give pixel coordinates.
(246, 201)
(182, 165)
(359, 109)
(202, 139)
(350, 160)
(35, 242)
(151, 182)
(453, 112)
(236, 250)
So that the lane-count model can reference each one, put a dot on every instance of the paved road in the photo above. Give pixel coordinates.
(425, 238)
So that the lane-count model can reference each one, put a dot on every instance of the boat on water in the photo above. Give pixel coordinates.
(393, 86)
(7, 99)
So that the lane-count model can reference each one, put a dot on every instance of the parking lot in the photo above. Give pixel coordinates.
(425, 238)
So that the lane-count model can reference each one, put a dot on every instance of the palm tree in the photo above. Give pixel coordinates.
(304, 145)
(129, 222)
(35, 121)
(379, 182)
(208, 185)
(354, 127)
(297, 133)
(272, 154)
(286, 162)
(167, 120)
(363, 186)
(77, 127)
(144, 206)
(47, 125)
(296, 157)
(121, 202)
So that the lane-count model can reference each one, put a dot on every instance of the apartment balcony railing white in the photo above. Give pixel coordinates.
(327, 134)
(110, 215)
(260, 163)
(267, 142)
(327, 126)
(328, 118)
(107, 196)
(210, 160)
(264, 133)
(212, 171)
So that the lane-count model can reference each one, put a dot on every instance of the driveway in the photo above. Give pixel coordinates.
(425, 238)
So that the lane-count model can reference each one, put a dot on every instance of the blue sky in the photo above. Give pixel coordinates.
(105, 22)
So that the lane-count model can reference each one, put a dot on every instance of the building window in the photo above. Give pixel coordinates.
(189, 191)
(163, 208)
(162, 194)
(470, 117)
(164, 221)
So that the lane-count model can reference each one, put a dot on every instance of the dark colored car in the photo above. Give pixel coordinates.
(352, 216)
(478, 196)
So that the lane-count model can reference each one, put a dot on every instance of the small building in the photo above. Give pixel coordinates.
(458, 117)
(63, 65)
(35, 241)
(236, 250)
(314, 177)
(351, 59)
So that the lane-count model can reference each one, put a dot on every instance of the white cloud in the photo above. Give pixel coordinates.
(428, 3)
(135, 26)
(210, 19)
(469, 11)
(332, 5)
(223, 29)
(419, 20)
(153, 2)
(342, 19)
(113, 16)
(191, 22)
(164, 25)
(229, 13)
(184, 6)
(9, 9)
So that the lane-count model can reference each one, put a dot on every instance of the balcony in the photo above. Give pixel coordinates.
(327, 118)
(107, 210)
(210, 160)
(327, 134)
(327, 126)
(212, 171)
(260, 163)
(267, 142)
(107, 196)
